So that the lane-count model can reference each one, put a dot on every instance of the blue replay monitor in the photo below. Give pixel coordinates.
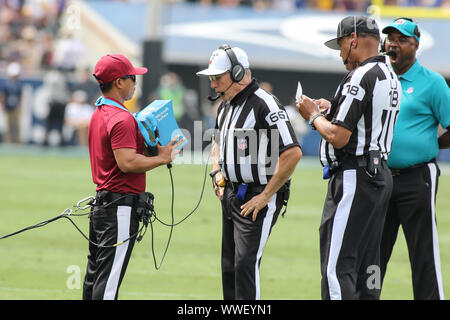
(157, 124)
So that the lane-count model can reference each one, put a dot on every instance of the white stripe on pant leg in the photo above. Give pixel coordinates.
(267, 223)
(437, 259)
(337, 233)
(123, 232)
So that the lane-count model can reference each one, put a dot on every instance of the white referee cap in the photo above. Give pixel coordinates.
(219, 62)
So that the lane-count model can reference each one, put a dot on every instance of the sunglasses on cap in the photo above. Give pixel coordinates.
(131, 76)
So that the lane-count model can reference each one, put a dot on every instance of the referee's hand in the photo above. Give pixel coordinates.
(254, 205)
(217, 189)
(324, 105)
(307, 107)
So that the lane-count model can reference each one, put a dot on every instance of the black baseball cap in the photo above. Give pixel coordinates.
(357, 24)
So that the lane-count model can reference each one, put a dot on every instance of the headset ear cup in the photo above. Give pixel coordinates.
(383, 45)
(237, 73)
(237, 70)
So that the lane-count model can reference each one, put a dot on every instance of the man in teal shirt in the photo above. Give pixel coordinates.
(424, 104)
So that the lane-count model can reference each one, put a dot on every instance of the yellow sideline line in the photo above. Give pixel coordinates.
(382, 10)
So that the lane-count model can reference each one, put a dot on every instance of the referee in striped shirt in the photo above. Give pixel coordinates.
(356, 131)
(255, 152)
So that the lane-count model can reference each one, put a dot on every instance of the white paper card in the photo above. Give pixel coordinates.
(298, 95)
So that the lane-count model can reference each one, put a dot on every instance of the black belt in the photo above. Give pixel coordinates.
(370, 161)
(284, 191)
(252, 187)
(256, 188)
(397, 172)
(359, 161)
(105, 197)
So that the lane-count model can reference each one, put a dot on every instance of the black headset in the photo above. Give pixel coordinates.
(237, 70)
(416, 32)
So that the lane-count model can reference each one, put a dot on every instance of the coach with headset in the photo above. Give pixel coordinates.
(253, 157)
(356, 135)
(425, 104)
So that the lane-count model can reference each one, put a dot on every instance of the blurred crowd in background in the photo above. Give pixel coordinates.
(339, 5)
(30, 34)
(33, 45)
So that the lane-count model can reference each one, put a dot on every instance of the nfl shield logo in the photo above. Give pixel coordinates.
(242, 144)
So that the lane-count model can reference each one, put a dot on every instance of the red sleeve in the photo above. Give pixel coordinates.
(122, 131)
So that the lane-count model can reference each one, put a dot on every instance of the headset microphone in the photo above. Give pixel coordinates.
(391, 53)
(348, 54)
(221, 94)
(212, 99)
(353, 40)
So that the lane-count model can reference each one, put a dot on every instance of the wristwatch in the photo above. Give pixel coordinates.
(221, 183)
(314, 117)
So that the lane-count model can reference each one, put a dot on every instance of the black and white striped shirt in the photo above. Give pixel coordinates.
(252, 131)
(367, 103)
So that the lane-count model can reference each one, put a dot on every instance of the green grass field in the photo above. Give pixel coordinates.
(39, 264)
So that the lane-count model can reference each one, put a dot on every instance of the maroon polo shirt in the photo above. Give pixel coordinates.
(112, 128)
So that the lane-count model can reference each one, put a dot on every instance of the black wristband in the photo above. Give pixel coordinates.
(212, 174)
(314, 117)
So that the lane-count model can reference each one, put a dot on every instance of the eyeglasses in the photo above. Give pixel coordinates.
(402, 39)
(131, 76)
(216, 77)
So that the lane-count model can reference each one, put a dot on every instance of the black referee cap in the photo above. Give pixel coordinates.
(357, 24)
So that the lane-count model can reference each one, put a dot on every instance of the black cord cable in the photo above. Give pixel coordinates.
(142, 230)
(198, 203)
(172, 224)
(105, 246)
(66, 214)
(157, 267)
(38, 225)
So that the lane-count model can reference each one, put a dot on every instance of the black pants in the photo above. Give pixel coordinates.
(106, 266)
(243, 242)
(350, 233)
(412, 205)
